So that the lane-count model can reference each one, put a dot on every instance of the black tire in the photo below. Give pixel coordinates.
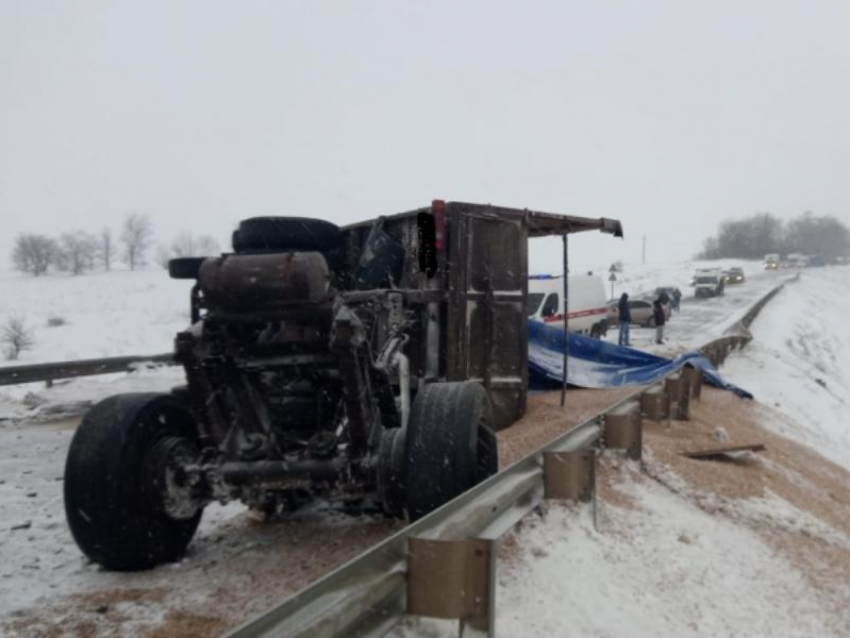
(286, 233)
(185, 267)
(449, 445)
(650, 323)
(114, 511)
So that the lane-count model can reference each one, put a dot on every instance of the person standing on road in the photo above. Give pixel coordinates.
(625, 317)
(658, 317)
(677, 299)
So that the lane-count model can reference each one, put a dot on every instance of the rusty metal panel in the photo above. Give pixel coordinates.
(653, 403)
(569, 475)
(487, 309)
(451, 580)
(696, 383)
(624, 430)
(672, 390)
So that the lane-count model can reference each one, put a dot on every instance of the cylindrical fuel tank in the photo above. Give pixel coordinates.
(245, 283)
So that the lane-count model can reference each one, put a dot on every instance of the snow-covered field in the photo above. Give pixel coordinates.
(105, 314)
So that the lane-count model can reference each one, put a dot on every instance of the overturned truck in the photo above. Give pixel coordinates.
(369, 364)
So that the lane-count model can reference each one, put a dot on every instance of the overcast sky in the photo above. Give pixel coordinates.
(667, 115)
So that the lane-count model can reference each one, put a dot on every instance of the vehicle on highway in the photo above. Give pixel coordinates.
(640, 310)
(795, 260)
(708, 282)
(772, 261)
(734, 276)
(588, 314)
(670, 291)
(368, 365)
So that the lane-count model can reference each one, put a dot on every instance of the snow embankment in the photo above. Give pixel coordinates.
(654, 565)
(799, 361)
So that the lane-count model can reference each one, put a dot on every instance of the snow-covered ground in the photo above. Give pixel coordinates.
(799, 361)
(663, 568)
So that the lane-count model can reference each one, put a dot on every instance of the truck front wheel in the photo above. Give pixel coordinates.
(127, 502)
(450, 445)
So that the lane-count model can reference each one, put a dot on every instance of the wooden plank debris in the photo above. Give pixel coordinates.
(713, 453)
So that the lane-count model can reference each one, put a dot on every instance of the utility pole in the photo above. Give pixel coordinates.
(644, 249)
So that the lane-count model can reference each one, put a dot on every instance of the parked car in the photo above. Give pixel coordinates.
(670, 290)
(734, 276)
(640, 309)
(587, 312)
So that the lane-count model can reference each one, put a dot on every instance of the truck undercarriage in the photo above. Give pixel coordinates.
(369, 365)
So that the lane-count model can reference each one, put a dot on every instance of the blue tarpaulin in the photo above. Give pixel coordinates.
(593, 363)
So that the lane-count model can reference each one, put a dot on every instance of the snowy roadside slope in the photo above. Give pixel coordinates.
(799, 361)
(654, 565)
(106, 314)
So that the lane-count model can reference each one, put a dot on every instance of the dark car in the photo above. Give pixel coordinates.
(734, 276)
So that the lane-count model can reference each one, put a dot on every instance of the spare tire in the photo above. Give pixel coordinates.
(185, 267)
(286, 233)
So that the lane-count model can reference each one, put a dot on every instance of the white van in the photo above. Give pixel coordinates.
(708, 282)
(588, 313)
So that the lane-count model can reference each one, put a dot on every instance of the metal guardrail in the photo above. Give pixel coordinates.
(367, 596)
(49, 372)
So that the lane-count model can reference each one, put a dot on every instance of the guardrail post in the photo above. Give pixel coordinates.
(624, 430)
(569, 475)
(453, 580)
(724, 351)
(697, 378)
(673, 386)
(685, 394)
(653, 403)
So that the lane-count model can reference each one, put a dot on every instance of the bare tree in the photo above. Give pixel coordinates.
(185, 244)
(77, 251)
(106, 249)
(207, 245)
(812, 234)
(136, 236)
(15, 337)
(34, 253)
(758, 235)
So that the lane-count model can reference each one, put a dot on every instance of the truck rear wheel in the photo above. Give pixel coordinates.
(126, 504)
(450, 445)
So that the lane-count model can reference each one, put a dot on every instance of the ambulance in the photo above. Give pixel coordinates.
(588, 313)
